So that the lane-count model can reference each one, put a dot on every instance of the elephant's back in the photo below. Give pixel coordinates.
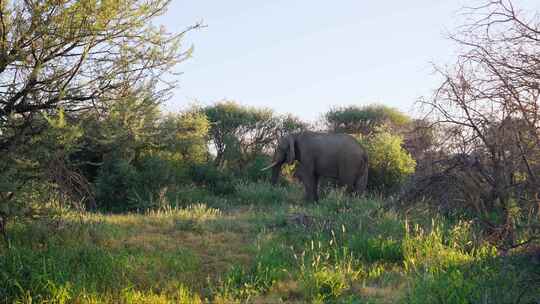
(336, 144)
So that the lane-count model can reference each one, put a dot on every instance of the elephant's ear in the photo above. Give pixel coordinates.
(291, 156)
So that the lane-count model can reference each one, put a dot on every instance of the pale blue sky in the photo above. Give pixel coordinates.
(302, 57)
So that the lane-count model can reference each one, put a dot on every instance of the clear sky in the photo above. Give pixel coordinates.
(302, 57)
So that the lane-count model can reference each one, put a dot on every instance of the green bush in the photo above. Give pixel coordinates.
(253, 172)
(152, 181)
(207, 175)
(116, 178)
(389, 163)
(145, 184)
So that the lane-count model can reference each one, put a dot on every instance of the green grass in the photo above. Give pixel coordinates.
(261, 245)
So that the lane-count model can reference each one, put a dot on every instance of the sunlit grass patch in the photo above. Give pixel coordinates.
(488, 280)
(444, 270)
(180, 294)
(429, 251)
(198, 211)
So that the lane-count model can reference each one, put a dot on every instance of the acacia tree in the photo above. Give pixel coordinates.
(365, 120)
(240, 134)
(73, 55)
(489, 107)
(76, 54)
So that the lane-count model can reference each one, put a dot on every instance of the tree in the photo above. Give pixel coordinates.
(126, 129)
(239, 132)
(290, 124)
(72, 56)
(32, 170)
(184, 136)
(78, 54)
(365, 120)
(488, 105)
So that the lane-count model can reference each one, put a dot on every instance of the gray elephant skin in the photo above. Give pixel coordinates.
(337, 156)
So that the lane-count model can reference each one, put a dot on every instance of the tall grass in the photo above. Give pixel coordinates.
(263, 245)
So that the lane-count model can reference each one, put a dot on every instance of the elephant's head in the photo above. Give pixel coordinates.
(284, 153)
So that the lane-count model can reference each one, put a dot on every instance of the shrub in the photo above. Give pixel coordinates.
(218, 182)
(253, 172)
(183, 136)
(115, 179)
(389, 163)
(154, 175)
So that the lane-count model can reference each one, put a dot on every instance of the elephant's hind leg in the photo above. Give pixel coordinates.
(349, 181)
(360, 184)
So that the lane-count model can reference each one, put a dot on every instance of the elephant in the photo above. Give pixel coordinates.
(332, 155)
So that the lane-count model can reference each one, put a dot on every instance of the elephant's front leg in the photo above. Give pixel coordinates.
(316, 187)
(311, 188)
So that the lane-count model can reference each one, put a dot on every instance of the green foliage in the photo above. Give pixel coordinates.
(71, 262)
(238, 131)
(31, 171)
(389, 163)
(325, 285)
(72, 70)
(216, 181)
(128, 129)
(123, 186)
(253, 172)
(431, 252)
(240, 134)
(365, 120)
(326, 269)
(291, 124)
(141, 155)
(183, 137)
(114, 183)
(484, 281)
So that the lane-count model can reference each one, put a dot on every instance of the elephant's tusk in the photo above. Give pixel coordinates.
(272, 165)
